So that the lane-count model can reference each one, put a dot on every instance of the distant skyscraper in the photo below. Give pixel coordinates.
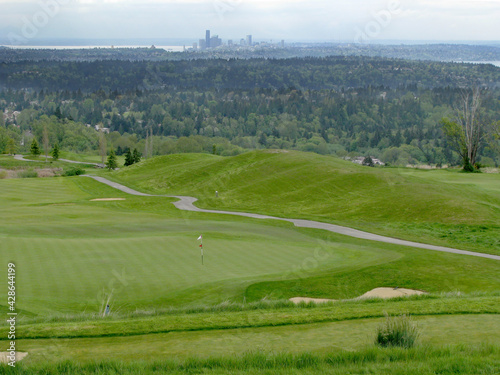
(207, 39)
(249, 40)
(215, 41)
(283, 43)
(203, 44)
(230, 42)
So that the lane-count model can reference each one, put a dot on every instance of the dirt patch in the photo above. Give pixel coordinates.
(107, 199)
(298, 300)
(49, 172)
(19, 356)
(375, 293)
(40, 172)
(276, 151)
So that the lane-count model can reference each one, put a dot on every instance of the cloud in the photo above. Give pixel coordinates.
(265, 19)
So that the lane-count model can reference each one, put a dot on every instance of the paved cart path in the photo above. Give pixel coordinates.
(187, 204)
(21, 158)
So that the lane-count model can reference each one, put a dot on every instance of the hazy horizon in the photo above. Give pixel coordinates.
(365, 21)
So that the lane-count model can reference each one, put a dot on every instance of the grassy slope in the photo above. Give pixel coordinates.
(440, 207)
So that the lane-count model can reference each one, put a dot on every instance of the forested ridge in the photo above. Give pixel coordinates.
(354, 106)
(301, 73)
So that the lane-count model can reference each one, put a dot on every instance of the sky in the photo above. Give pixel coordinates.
(29, 21)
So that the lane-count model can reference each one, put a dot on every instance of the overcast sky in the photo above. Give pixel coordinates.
(292, 20)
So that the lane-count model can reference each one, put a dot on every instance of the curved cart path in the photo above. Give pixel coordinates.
(21, 158)
(187, 204)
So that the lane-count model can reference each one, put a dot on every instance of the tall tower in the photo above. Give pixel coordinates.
(207, 39)
(249, 40)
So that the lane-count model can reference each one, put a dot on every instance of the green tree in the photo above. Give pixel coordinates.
(11, 147)
(368, 161)
(136, 156)
(34, 148)
(129, 158)
(111, 163)
(55, 152)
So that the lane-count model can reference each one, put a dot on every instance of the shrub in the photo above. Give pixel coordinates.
(29, 173)
(3, 174)
(74, 171)
(397, 331)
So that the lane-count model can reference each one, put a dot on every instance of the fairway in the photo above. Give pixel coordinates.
(444, 208)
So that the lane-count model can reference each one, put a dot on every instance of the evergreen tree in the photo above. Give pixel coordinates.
(136, 156)
(55, 152)
(111, 163)
(368, 161)
(34, 148)
(11, 147)
(58, 113)
(129, 158)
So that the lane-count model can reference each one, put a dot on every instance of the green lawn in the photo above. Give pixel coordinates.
(73, 254)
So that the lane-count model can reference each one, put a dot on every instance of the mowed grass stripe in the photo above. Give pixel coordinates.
(318, 338)
(284, 316)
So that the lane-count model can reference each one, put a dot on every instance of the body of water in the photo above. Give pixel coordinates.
(167, 48)
(496, 63)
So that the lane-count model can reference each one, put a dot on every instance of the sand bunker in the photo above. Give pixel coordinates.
(375, 293)
(107, 199)
(390, 293)
(4, 355)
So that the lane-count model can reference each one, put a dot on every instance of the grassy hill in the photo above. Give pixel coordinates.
(441, 207)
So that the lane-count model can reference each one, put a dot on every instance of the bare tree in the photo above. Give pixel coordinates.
(466, 129)
(494, 137)
(46, 145)
(102, 147)
(151, 143)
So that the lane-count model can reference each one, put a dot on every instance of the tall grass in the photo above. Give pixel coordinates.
(29, 173)
(462, 359)
(397, 331)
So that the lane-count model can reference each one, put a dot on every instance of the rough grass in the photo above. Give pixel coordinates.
(301, 185)
(462, 359)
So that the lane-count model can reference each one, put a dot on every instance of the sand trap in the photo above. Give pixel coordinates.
(375, 293)
(298, 300)
(390, 293)
(4, 355)
(107, 199)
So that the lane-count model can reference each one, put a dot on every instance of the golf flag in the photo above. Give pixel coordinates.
(201, 245)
